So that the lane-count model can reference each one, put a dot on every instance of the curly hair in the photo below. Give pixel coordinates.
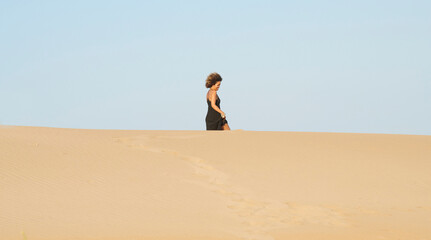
(212, 79)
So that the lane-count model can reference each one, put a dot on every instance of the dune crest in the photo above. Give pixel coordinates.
(121, 184)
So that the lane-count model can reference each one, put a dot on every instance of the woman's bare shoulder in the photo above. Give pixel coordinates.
(210, 93)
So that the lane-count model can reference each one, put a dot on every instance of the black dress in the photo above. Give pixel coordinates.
(214, 120)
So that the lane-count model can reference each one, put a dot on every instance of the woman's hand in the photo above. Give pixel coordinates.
(223, 115)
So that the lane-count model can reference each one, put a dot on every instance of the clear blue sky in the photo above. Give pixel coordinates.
(323, 66)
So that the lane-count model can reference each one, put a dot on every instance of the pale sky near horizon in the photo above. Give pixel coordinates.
(308, 66)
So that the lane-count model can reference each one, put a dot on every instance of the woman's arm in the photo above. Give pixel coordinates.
(213, 105)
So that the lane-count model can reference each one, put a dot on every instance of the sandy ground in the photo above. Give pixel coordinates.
(58, 184)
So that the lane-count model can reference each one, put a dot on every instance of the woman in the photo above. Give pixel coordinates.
(216, 118)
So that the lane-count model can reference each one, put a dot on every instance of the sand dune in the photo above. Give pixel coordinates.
(80, 184)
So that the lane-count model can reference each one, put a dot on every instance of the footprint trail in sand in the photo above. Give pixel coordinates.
(257, 216)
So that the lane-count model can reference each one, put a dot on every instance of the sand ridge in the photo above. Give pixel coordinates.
(117, 184)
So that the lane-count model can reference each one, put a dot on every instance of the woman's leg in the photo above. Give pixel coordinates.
(225, 127)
